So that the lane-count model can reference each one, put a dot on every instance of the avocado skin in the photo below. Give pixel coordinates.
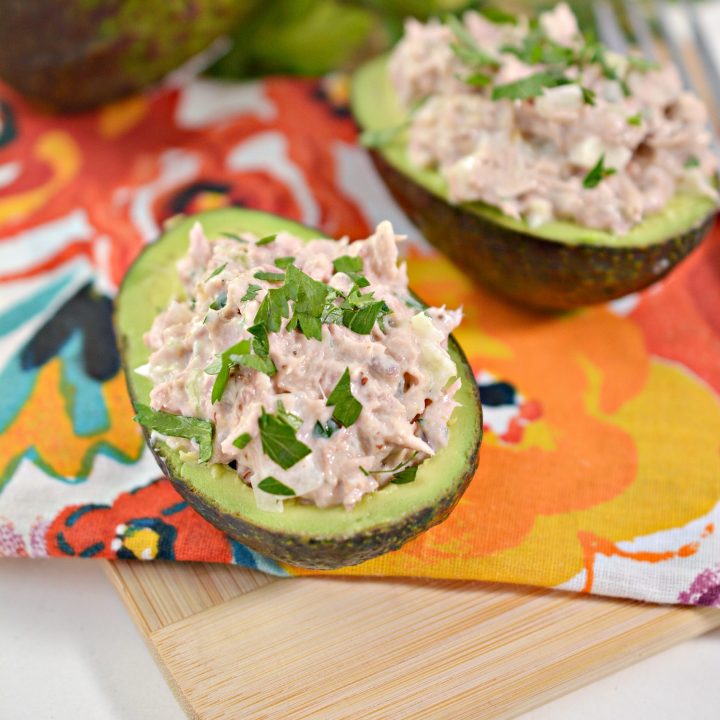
(529, 270)
(71, 55)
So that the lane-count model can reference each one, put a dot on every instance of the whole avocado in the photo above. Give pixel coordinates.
(75, 54)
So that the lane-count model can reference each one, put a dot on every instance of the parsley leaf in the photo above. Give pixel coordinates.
(261, 343)
(266, 240)
(237, 355)
(325, 431)
(466, 48)
(273, 309)
(589, 95)
(635, 119)
(347, 264)
(242, 440)
(233, 236)
(251, 292)
(275, 487)
(362, 319)
(693, 161)
(347, 408)
(284, 262)
(309, 295)
(528, 87)
(279, 442)
(216, 271)
(178, 426)
(405, 476)
(477, 79)
(598, 173)
(294, 421)
(220, 301)
(269, 276)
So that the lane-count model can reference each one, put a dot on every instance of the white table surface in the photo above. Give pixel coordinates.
(69, 651)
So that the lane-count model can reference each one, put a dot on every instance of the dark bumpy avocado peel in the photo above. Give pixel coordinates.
(557, 267)
(303, 535)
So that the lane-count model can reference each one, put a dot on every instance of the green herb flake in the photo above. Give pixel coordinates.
(309, 296)
(466, 48)
(347, 408)
(178, 426)
(239, 354)
(589, 96)
(327, 430)
(279, 442)
(242, 440)
(273, 309)
(269, 276)
(361, 320)
(529, 87)
(216, 271)
(405, 476)
(284, 262)
(233, 236)
(266, 240)
(477, 79)
(275, 487)
(597, 174)
(220, 301)
(347, 264)
(693, 161)
(635, 119)
(251, 292)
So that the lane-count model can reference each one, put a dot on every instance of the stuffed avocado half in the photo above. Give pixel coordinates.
(558, 264)
(303, 534)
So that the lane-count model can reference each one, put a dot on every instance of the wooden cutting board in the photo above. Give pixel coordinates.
(237, 644)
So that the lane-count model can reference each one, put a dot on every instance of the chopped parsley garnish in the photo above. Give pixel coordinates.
(260, 343)
(405, 476)
(273, 309)
(361, 311)
(379, 138)
(692, 162)
(233, 236)
(278, 440)
(347, 408)
(402, 472)
(478, 79)
(537, 48)
(216, 271)
(352, 267)
(275, 487)
(201, 431)
(220, 301)
(589, 95)
(598, 173)
(239, 354)
(242, 440)
(294, 421)
(251, 292)
(327, 430)
(498, 16)
(284, 262)
(635, 119)
(309, 296)
(528, 87)
(466, 48)
(269, 276)
(266, 240)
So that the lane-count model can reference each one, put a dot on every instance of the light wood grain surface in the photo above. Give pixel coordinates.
(238, 644)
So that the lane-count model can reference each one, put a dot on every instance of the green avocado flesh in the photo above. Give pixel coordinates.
(558, 265)
(302, 534)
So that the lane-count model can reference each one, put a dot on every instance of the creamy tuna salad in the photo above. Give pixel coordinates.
(536, 120)
(305, 366)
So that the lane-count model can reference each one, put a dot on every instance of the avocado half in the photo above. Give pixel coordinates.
(302, 534)
(560, 265)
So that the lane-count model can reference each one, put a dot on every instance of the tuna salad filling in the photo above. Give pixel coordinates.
(532, 118)
(306, 366)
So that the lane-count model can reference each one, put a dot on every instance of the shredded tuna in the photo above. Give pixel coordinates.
(529, 157)
(403, 375)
